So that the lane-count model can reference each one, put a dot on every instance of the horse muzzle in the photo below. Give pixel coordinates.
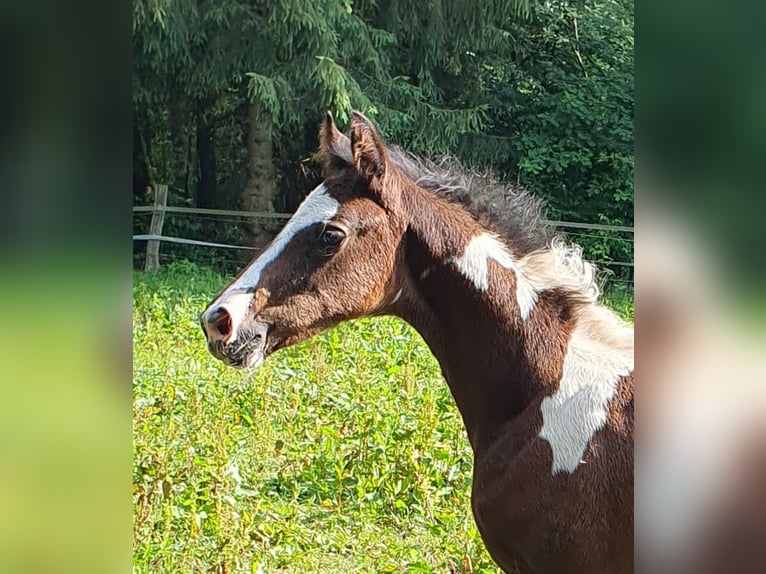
(245, 348)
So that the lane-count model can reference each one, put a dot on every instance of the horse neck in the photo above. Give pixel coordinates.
(495, 361)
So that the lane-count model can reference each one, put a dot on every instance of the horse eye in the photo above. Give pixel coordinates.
(332, 236)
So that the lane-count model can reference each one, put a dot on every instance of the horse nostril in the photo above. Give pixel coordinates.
(218, 324)
(222, 321)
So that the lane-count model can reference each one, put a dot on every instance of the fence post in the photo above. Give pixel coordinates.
(155, 228)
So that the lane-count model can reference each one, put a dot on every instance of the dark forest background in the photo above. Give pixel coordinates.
(228, 95)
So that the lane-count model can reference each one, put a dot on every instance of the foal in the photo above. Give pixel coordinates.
(542, 374)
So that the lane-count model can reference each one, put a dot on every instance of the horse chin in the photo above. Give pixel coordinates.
(245, 355)
(250, 361)
(257, 355)
(254, 360)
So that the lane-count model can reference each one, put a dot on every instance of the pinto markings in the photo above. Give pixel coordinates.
(474, 265)
(599, 355)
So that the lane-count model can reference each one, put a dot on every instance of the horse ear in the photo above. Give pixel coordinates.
(334, 147)
(367, 149)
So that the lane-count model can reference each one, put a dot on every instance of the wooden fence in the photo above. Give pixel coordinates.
(160, 208)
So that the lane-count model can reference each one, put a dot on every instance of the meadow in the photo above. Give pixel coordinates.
(343, 454)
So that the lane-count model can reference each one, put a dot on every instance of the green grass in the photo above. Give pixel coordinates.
(343, 454)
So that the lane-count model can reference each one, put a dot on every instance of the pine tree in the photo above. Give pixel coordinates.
(277, 65)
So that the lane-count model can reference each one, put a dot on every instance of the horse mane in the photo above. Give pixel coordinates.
(505, 208)
(514, 214)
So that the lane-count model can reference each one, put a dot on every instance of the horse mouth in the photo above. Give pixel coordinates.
(247, 351)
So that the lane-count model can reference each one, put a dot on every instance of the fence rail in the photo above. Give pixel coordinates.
(274, 215)
(151, 237)
(160, 208)
(203, 211)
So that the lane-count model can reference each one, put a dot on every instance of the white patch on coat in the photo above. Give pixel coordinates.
(600, 350)
(474, 265)
(599, 354)
(318, 207)
(559, 266)
(396, 297)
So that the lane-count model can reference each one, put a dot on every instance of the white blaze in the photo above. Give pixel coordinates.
(318, 207)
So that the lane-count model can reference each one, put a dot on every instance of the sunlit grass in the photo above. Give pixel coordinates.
(344, 454)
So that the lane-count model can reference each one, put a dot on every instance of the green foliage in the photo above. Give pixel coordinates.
(575, 135)
(346, 453)
(567, 99)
